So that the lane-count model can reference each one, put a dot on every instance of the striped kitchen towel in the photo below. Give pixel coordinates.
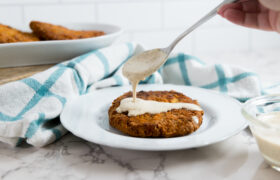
(30, 108)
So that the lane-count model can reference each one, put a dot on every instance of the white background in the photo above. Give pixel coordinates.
(153, 23)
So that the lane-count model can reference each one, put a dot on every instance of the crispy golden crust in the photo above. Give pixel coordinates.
(46, 31)
(11, 35)
(177, 122)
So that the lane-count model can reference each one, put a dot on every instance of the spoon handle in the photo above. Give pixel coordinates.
(197, 24)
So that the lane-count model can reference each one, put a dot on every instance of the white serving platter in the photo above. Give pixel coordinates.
(50, 52)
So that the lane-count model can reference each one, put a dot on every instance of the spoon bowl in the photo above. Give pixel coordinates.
(144, 64)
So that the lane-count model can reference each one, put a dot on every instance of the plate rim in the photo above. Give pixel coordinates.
(119, 146)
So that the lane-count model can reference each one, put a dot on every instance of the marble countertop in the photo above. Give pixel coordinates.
(73, 158)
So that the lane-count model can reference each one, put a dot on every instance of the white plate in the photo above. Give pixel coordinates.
(49, 52)
(87, 117)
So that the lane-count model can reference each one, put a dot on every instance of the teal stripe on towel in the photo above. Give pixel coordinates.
(79, 81)
(171, 61)
(34, 126)
(240, 76)
(242, 99)
(4, 117)
(19, 142)
(211, 85)
(189, 57)
(104, 61)
(229, 80)
(35, 85)
(42, 91)
(183, 68)
(221, 78)
(82, 57)
(54, 77)
(174, 60)
(130, 49)
(57, 133)
(151, 79)
(118, 80)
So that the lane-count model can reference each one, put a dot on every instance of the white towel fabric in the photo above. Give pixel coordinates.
(30, 108)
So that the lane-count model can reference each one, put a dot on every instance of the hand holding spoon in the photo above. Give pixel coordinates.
(142, 65)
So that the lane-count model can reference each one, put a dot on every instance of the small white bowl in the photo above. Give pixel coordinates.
(49, 52)
(263, 113)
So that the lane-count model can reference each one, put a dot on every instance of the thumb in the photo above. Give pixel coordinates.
(271, 4)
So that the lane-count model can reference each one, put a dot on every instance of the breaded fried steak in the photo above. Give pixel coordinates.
(47, 31)
(176, 122)
(11, 35)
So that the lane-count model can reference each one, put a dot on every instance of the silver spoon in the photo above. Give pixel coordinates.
(197, 24)
(144, 64)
